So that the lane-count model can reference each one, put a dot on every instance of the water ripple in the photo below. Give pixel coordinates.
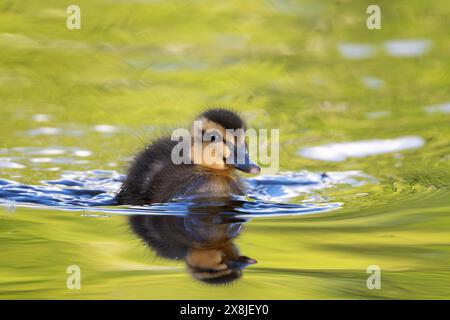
(94, 191)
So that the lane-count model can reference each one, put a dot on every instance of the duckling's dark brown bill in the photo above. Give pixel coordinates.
(248, 166)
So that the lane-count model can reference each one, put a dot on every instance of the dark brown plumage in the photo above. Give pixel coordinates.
(226, 118)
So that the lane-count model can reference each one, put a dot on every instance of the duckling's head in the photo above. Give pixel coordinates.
(221, 134)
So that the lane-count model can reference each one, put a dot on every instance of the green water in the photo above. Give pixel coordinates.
(144, 66)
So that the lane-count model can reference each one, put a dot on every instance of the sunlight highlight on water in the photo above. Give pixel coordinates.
(359, 149)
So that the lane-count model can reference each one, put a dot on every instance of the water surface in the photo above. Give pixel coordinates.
(76, 105)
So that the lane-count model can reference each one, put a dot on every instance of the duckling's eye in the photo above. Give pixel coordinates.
(211, 136)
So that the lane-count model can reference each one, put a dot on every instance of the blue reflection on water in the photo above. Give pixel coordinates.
(94, 191)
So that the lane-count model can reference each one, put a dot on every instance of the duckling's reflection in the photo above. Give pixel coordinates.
(203, 238)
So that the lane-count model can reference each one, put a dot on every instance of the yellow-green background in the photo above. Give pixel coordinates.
(148, 65)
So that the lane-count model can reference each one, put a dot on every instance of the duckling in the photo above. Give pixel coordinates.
(154, 178)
